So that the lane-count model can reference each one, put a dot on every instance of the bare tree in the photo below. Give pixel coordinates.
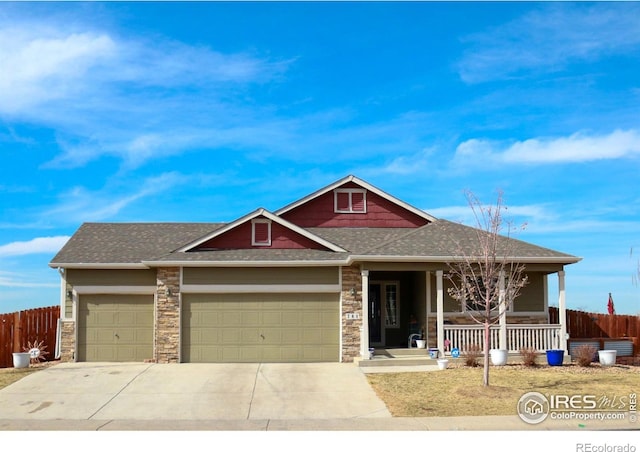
(484, 277)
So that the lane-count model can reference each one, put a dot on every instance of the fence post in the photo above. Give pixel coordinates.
(16, 332)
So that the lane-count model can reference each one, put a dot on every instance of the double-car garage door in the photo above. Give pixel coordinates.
(268, 327)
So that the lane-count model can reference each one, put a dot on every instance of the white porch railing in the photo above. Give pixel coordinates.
(519, 336)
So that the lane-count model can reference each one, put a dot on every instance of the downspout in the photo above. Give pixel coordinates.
(63, 297)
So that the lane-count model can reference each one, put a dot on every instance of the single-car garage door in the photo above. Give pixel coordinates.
(260, 327)
(115, 328)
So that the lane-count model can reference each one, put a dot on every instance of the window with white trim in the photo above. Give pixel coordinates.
(350, 200)
(260, 232)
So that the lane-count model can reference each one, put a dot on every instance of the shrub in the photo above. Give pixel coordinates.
(529, 356)
(471, 355)
(585, 355)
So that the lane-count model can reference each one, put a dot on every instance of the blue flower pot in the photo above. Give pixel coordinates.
(555, 357)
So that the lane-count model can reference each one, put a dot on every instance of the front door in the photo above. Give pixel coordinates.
(375, 314)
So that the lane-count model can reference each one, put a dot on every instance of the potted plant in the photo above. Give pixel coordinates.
(498, 356)
(607, 357)
(555, 357)
(21, 360)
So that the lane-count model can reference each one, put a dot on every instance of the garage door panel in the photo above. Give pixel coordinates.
(232, 319)
(291, 336)
(205, 336)
(238, 354)
(101, 336)
(250, 319)
(107, 319)
(289, 327)
(270, 318)
(231, 336)
(250, 336)
(271, 336)
(124, 318)
(312, 336)
(143, 336)
(290, 318)
(311, 318)
(329, 337)
(329, 317)
(249, 354)
(144, 319)
(290, 354)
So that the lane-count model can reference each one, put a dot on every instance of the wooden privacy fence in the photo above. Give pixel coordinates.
(18, 329)
(592, 325)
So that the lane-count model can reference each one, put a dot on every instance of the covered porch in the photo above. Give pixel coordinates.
(406, 302)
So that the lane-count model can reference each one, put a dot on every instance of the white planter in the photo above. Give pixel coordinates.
(443, 363)
(498, 356)
(607, 357)
(21, 360)
(421, 343)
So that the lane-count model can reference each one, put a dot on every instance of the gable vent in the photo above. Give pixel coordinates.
(261, 232)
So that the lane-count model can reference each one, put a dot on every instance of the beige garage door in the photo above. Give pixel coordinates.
(115, 328)
(260, 328)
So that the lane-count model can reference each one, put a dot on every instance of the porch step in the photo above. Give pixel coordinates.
(400, 361)
(399, 357)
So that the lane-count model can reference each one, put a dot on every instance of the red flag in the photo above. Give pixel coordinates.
(610, 305)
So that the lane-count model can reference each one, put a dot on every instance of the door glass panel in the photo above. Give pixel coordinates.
(375, 330)
(392, 315)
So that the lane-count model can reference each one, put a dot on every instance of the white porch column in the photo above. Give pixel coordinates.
(562, 311)
(364, 329)
(440, 311)
(503, 313)
(427, 302)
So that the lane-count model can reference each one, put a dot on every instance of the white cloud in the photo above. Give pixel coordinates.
(578, 147)
(38, 245)
(45, 66)
(108, 93)
(83, 64)
(548, 38)
(12, 279)
(80, 204)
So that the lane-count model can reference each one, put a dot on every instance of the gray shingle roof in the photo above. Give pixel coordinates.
(444, 238)
(135, 243)
(119, 243)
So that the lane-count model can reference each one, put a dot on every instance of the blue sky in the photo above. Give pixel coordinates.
(205, 111)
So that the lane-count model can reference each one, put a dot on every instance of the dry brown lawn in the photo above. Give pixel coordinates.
(10, 375)
(458, 390)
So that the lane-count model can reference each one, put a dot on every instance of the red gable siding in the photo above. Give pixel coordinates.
(239, 238)
(381, 213)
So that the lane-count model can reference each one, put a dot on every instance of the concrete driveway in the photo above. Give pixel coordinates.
(132, 391)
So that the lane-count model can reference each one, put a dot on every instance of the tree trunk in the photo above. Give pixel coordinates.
(487, 340)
